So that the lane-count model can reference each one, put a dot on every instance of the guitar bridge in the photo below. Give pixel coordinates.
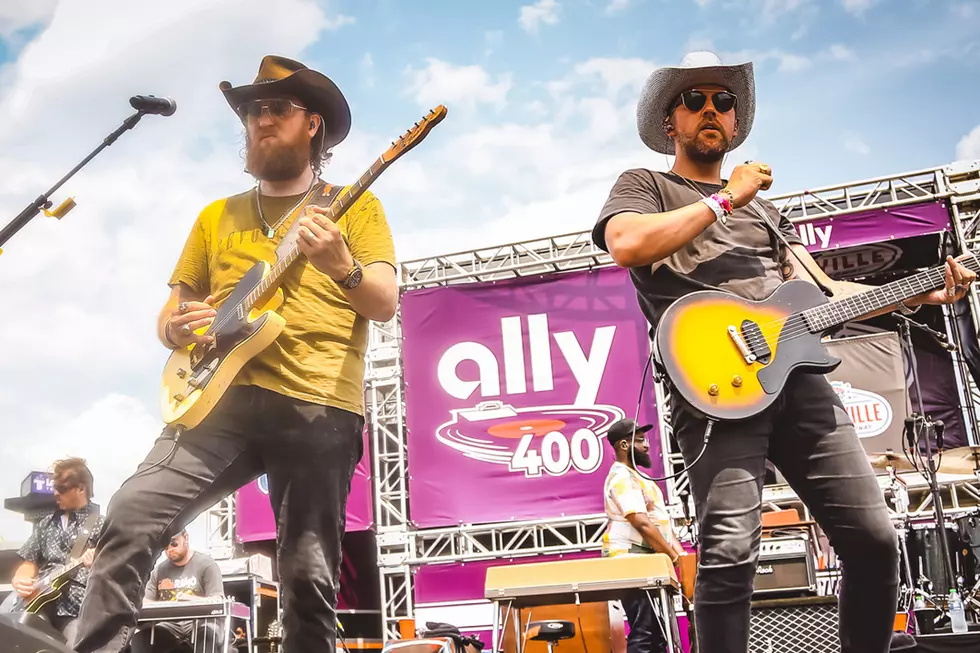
(751, 343)
(743, 348)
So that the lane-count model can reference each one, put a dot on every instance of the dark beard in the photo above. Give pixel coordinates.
(641, 459)
(700, 152)
(278, 163)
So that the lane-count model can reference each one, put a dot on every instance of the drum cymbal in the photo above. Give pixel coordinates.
(962, 460)
(885, 459)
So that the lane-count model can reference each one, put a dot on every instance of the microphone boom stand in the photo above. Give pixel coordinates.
(43, 203)
(928, 429)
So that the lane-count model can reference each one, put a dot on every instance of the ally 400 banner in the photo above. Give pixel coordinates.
(510, 388)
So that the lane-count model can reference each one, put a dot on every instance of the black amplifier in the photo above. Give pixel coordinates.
(785, 567)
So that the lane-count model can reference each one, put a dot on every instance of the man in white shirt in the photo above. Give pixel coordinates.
(638, 523)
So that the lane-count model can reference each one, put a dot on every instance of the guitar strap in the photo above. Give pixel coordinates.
(323, 198)
(774, 231)
(84, 535)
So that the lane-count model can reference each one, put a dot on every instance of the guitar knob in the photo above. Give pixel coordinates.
(737, 381)
(713, 390)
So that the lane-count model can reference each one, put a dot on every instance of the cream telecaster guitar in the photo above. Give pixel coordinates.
(196, 377)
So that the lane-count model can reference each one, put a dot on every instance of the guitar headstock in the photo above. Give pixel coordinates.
(415, 134)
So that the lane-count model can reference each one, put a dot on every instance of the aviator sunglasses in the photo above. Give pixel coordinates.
(694, 100)
(278, 109)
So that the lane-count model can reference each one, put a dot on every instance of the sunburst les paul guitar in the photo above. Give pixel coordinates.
(196, 377)
(729, 357)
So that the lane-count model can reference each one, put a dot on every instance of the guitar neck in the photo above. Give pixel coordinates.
(841, 311)
(336, 209)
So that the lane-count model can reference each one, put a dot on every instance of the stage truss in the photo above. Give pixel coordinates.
(403, 547)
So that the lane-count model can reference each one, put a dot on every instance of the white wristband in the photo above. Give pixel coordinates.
(717, 208)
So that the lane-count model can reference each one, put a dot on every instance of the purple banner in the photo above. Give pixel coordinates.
(254, 520)
(874, 226)
(510, 388)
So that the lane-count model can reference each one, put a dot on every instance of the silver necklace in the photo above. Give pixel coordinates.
(689, 183)
(270, 231)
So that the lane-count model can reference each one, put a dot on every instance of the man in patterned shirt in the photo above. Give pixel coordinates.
(52, 540)
(638, 523)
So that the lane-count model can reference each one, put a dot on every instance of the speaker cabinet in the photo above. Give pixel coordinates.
(18, 638)
(799, 625)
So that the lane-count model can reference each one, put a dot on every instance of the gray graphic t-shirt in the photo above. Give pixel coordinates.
(200, 577)
(741, 256)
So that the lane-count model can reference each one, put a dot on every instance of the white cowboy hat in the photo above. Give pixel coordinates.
(665, 85)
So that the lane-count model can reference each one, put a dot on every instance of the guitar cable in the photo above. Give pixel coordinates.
(704, 447)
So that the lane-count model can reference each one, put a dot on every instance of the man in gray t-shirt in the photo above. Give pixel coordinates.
(688, 230)
(185, 575)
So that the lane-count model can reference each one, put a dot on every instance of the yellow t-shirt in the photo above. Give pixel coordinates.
(319, 356)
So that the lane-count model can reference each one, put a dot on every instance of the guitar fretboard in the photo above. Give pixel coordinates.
(337, 208)
(833, 314)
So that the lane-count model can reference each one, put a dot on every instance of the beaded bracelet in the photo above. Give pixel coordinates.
(166, 336)
(725, 199)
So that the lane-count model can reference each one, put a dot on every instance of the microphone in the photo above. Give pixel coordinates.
(152, 104)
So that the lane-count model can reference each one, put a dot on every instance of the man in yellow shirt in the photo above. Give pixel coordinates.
(295, 411)
(638, 523)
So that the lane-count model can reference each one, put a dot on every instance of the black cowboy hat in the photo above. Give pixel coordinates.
(279, 76)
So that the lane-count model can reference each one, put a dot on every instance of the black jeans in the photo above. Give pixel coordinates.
(646, 633)
(808, 435)
(176, 636)
(309, 452)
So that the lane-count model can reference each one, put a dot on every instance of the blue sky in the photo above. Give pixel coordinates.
(541, 99)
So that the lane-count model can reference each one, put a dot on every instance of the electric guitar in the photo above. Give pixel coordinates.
(729, 357)
(47, 589)
(196, 377)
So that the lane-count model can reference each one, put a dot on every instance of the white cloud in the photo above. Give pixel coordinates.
(444, 83)
(616, 6)
(338, 21)
(840, 52)
(964, 10)
(80, 295)
(855, 143)
(367, 69)
(16, 15)
(969, 145)
(857, 7)
(531, 17)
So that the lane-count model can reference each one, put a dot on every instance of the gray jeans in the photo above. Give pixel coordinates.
(809, 437)
(309, 452)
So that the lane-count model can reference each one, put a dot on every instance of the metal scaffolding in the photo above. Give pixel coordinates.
(402, 546)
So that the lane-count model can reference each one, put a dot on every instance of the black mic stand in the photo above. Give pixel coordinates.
(43, 203)
(924, 427)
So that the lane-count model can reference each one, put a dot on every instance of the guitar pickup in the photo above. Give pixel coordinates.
(756, 341)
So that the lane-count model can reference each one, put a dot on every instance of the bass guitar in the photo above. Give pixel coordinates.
(47, 590)
(729, 357)
(196, 377)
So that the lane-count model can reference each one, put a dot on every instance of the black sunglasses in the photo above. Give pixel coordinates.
(723, 101)
(64, 488)
(277, 108)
